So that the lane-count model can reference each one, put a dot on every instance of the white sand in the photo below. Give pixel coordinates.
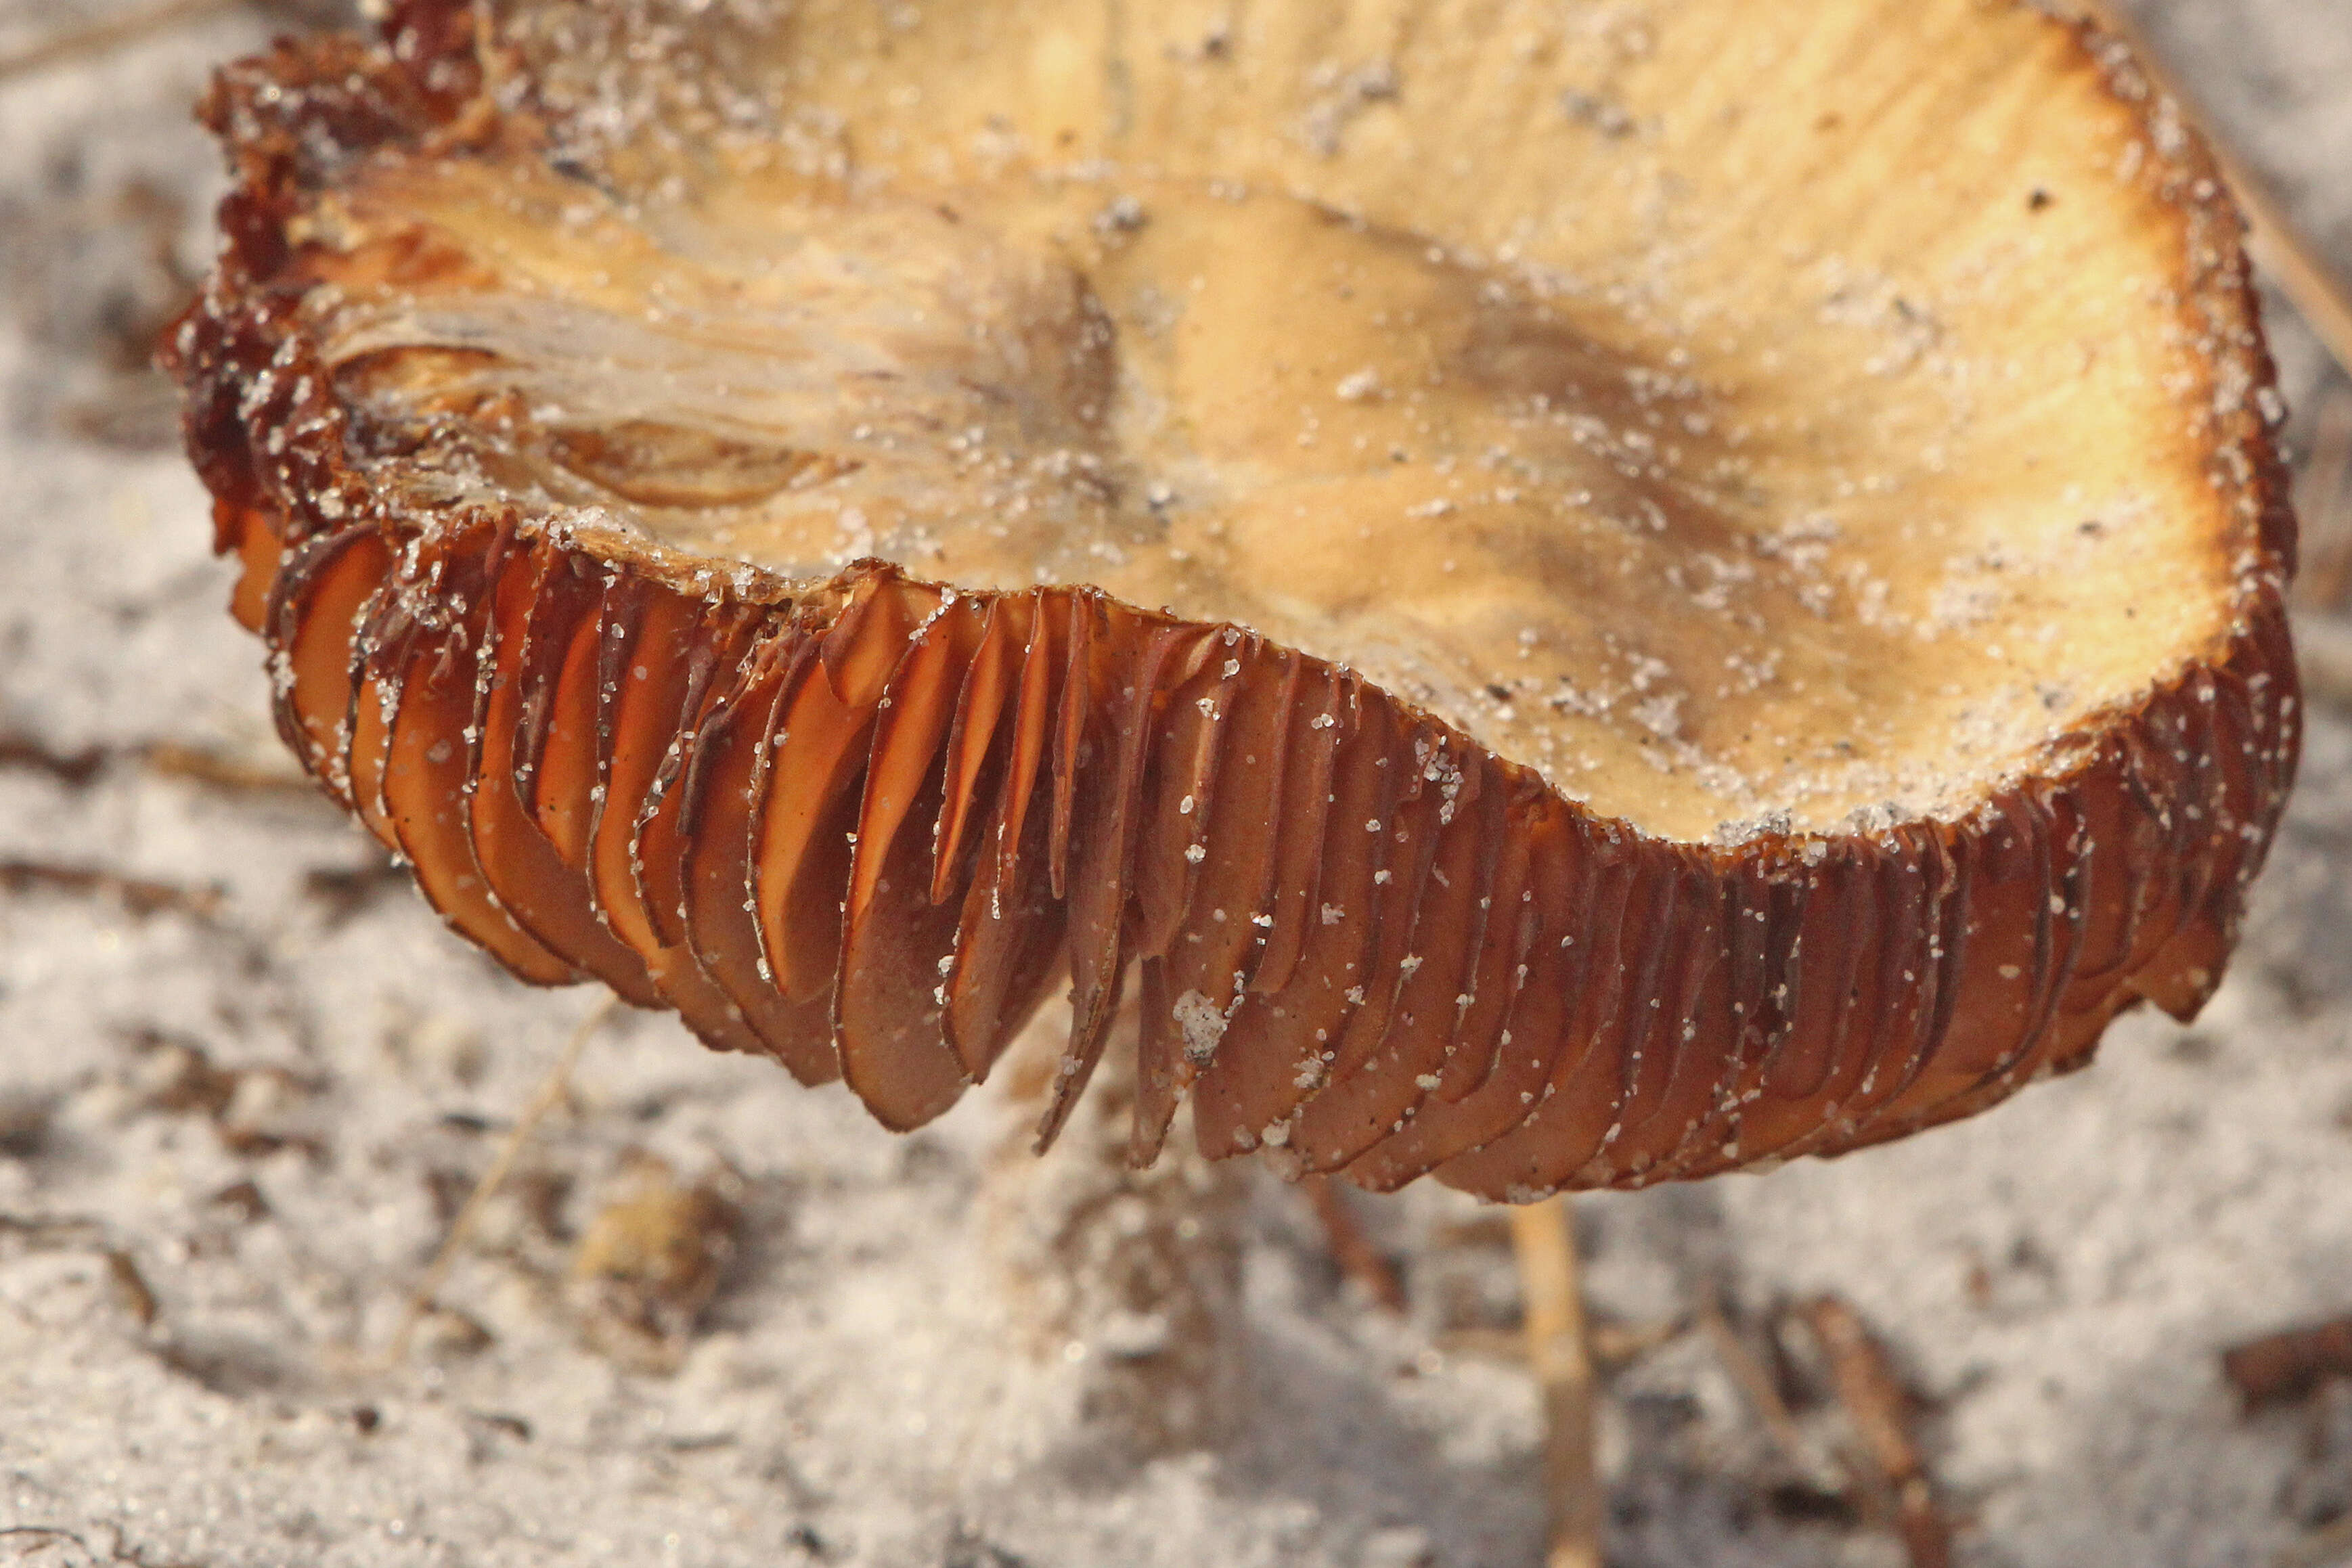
(2057, 1276)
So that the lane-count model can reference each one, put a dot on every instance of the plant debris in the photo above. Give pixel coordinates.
(1881, 1411)
(2287, 1365)
(140, 896)
(651, 1260)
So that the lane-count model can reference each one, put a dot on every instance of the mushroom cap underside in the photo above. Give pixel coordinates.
(1569, 599)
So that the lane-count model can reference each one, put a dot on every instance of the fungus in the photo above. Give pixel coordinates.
(1571, 597)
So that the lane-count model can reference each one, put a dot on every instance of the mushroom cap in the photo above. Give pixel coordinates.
(1573, 600)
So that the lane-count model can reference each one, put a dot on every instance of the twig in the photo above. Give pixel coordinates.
(51, 1231)
(129, 1556)
(2326, 583)
(1351, 1249)
(165, 758)
(131, 1287)
(74, 768)
(1611, 1345)
(552, 1089)
(2282, 1366)
(140, 896)
(1756, 1381)
(1878, 1406)
(111, 33)
(2279, 248)
(1614, 1345)
(173, 760)
(1545, 1242)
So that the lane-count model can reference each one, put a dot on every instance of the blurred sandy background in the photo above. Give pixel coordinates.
(245, 1078)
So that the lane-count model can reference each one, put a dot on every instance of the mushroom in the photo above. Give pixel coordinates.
(1572, 597)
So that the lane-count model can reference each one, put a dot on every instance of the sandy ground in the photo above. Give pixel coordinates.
(236, 1121)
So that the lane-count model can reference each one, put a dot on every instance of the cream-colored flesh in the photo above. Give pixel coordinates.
(1750, 509)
